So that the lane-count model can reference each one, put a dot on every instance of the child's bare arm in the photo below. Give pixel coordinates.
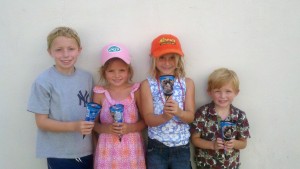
(140, 125)
(107, 128)
(101, 127)
(45, 123)
(126, 128)
(188, 114)
(147, 108)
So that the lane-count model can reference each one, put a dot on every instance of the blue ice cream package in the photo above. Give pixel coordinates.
(92, 111)
(227, 130)
(167, 83)
(117, 112)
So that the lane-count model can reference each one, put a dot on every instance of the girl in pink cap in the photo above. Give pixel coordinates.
(120, 144)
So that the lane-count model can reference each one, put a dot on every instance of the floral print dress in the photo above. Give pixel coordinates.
(111, 153)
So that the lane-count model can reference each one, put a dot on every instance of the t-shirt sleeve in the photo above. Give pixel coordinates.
(39, 99)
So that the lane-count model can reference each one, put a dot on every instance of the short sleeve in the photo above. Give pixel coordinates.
(198, 123)
(243, 126)
(98, 89)
(102, 90)
(134, 88)
(39, 100)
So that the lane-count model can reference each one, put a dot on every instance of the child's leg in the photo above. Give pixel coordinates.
(180, 157)
(77, 163)
(157, 155)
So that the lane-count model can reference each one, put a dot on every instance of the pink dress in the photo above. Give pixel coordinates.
(110, 152)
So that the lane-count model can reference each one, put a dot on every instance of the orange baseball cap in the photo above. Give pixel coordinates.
(164, 44)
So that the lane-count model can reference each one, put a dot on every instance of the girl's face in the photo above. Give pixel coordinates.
(224, 96)
(65, 52)
(117, 73)
(166, 64)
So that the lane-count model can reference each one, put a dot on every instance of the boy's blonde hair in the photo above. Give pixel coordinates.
(221, 77)
(104, 67)
(62, 31)
(179, 71)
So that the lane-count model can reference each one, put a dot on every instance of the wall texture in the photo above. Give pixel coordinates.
(258, 39)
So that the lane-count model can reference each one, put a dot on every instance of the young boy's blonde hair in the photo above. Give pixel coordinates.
(179, 71)
(63, 31)
(221, 77)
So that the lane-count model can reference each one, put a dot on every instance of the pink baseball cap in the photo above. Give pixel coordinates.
(115, 50)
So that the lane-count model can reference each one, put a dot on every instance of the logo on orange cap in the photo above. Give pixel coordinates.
(164, 41)
(164, 44)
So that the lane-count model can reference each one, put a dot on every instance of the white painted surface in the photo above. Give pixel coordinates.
(258, 39)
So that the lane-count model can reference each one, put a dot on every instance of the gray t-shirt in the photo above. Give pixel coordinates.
(63, 98)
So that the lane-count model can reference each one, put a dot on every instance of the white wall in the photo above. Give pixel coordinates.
(258, 39)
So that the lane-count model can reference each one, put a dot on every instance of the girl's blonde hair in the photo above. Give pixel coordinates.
(62, 31)
(179, 71)
(104, 67)
(221, 77)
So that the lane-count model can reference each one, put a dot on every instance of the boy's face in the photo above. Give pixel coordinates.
(224, 96)
(65, 52)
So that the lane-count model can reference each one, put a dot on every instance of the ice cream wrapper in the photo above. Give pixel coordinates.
(227, 130)
(92, 111)
(167, 83)
(117, 112)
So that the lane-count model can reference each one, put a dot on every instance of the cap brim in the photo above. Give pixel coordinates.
(123, 59)
(167, 51)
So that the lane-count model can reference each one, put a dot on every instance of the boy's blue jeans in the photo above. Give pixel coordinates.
(77, 163)
(160, 156)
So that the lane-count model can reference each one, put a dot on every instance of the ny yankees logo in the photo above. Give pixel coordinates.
(83, 98)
